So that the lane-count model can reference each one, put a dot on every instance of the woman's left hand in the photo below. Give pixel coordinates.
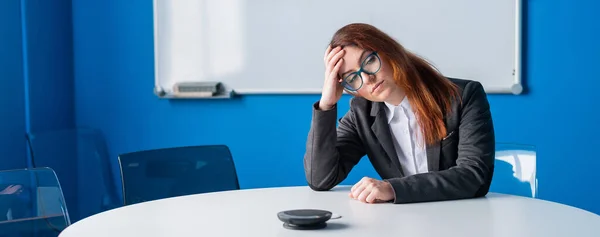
(371, 190)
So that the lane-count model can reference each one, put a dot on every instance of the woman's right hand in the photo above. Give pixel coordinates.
(332, 89)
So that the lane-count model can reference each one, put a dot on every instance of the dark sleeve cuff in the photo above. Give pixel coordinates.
(318, 112)
(400, 196)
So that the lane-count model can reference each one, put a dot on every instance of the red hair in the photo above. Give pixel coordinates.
(429, 92)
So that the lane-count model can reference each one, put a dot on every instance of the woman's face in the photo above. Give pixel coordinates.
(377, 77)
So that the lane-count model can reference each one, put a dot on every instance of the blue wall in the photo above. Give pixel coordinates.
(49, 64)
(113, 51)
(36, 71)
(48, 81)
(12, 99)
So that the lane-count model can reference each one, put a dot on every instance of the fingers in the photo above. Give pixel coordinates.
(330, 53)
(336, 69)
(368, 189)
(335, 59)
(373, 196)
(357, 184)
(354, 189)
(330, 57)
(360, 187)
(327, 51)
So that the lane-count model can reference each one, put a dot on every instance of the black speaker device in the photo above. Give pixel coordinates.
(304, 219)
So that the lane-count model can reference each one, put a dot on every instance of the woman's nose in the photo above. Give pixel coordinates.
(368, 77)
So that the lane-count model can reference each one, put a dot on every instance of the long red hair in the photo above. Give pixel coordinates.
(429, 92)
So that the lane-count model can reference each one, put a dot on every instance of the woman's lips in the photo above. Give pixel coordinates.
(376, 86)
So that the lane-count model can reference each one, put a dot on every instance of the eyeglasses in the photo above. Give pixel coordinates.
(370, 66)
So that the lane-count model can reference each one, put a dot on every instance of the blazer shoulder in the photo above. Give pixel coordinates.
(359, 103)
(361, 107)
(467, 88)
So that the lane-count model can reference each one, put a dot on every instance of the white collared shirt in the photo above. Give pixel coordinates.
(407, 136)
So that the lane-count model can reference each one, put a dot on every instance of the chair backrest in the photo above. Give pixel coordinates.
(155, 174)
(81, 161)
(32, 203)
(515, 170)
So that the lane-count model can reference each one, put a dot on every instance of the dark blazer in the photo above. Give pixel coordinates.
(460, 165)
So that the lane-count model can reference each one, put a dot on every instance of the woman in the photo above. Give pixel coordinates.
(430, 138)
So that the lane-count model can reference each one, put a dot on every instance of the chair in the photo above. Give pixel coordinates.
(31, 203)
(81, 161)
(161, 173)
(515, 170)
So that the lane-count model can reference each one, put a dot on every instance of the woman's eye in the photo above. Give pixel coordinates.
(370, 60)
(351, 78)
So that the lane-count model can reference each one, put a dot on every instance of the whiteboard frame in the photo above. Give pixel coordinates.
(516, 89)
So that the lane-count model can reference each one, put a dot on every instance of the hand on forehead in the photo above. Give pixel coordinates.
(353, 58)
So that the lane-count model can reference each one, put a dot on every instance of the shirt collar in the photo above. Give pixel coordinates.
(391, 110)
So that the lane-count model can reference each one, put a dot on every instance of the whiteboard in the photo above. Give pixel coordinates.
(277, 46)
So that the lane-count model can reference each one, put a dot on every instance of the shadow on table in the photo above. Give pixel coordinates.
(333, 225)
(341, 188)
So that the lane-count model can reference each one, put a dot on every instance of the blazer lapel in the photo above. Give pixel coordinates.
(384, 136)
(433, 157)
(433, 152)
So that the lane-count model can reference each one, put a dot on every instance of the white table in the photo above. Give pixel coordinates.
(253, 212)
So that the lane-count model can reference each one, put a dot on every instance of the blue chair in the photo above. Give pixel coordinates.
(31, 203)
(161, 173)
(81, 161)
(515, 170)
